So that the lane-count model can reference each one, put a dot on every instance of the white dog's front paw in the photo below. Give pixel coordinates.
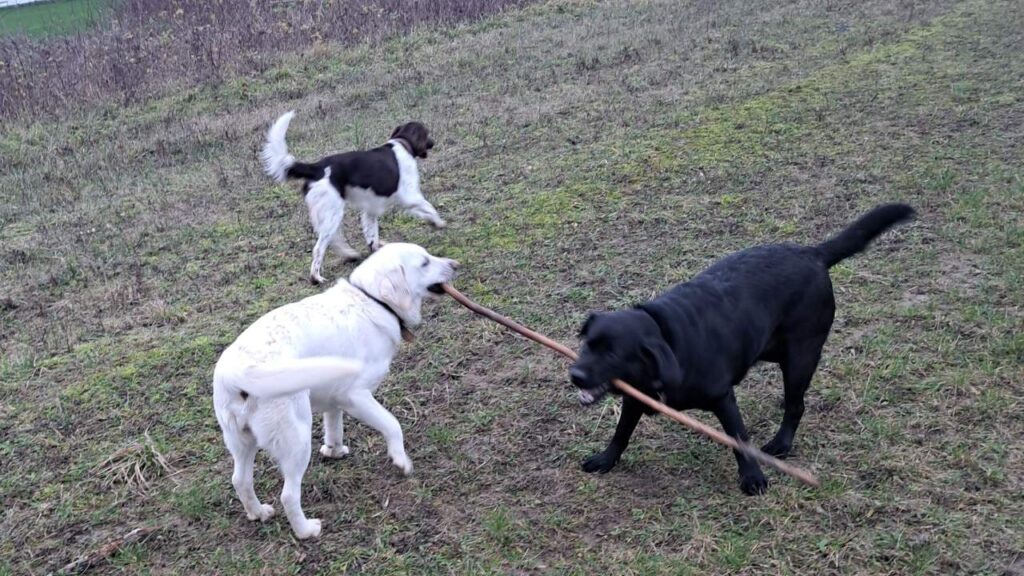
(266, 512)
(439, 224)
(316, 279)
(310, 530)
(404, 463)
(334, 451)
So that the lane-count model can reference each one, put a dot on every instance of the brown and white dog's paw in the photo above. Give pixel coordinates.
(404, 464)
(349, 254)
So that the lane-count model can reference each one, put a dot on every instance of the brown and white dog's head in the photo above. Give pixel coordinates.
(416, 134)
(400, 275)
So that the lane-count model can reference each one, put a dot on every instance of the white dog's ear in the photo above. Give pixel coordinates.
(393, 288)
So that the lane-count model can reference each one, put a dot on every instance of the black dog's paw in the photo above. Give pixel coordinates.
(776, 448)
(754, 483)
(600, 462)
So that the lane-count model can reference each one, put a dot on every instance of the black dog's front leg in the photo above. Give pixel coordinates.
(606, 460)
(752, 480)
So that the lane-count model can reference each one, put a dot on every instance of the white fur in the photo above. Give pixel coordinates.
(327, 207)
(276, 159)
(327, 353)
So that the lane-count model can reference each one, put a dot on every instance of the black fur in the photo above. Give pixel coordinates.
(857, 236)
(375, 169)
(693, 344)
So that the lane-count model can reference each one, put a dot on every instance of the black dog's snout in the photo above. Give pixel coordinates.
(578, 376)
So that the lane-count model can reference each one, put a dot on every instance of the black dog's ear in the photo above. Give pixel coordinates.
(669, 372)
(586, 324)
(396, 131)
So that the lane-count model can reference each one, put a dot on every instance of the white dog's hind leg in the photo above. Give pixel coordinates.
(291, 452)
(334, 431)
(365, 407)
(243, 450)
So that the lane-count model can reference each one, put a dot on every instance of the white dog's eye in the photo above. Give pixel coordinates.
(426, 262)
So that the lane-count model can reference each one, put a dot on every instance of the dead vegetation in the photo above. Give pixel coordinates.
(149, 47)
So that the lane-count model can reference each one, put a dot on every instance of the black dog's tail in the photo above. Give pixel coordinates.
(858, 235)
(277, 162)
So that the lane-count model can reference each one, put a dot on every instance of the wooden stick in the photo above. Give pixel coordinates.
(86, 561)
(691, 423)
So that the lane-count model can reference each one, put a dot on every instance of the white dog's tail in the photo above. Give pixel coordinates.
(276, 159)
(288, 376)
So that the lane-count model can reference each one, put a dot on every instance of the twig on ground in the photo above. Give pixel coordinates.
(86, 561)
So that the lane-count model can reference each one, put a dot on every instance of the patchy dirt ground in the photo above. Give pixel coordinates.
(590, 154)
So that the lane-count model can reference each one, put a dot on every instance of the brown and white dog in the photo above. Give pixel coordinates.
(374, 181)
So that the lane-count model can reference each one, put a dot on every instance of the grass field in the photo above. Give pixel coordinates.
(590, 154)
(51, 18)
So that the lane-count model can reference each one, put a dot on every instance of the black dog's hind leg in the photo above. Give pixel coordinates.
(752, 480)
(798, 366)
(606, 460)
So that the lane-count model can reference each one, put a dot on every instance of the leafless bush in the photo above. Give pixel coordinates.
(149, 46)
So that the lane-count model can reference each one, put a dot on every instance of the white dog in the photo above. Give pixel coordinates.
(326, 353)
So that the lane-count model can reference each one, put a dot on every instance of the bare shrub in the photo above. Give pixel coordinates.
(149, 46)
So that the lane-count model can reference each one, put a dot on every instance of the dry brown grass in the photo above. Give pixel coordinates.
(142, 48)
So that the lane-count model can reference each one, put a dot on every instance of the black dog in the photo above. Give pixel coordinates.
(693, 344)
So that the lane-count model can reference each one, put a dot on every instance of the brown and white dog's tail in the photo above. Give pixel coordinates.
(277, 162)
(288, 376)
